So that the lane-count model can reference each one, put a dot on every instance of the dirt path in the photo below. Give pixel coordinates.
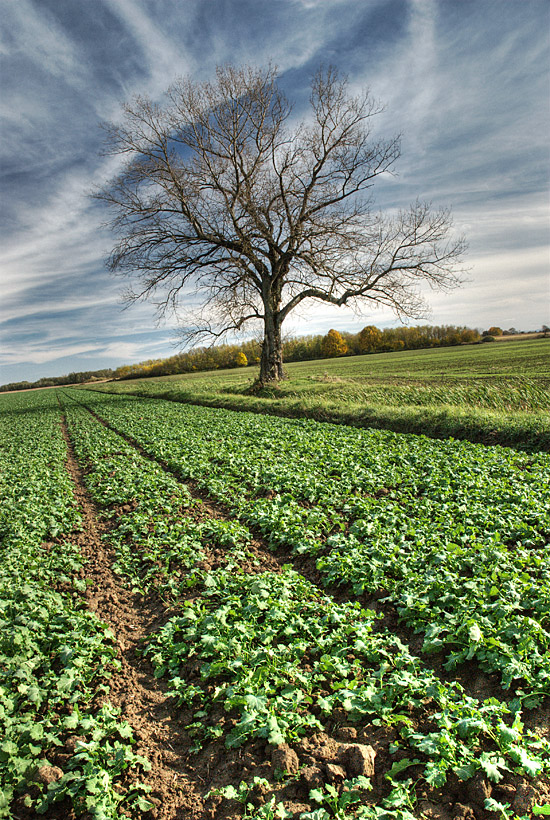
(157, 722)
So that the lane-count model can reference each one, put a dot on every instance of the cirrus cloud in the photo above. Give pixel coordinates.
(464, 82)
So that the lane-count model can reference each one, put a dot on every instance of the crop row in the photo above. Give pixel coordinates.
(456, 534)
(55, 656)
(157, 530)
(280, 659)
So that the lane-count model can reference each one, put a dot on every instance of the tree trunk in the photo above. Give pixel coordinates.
(271, 363)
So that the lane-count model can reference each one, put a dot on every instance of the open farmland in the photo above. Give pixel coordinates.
(491, 393)
(210, 614)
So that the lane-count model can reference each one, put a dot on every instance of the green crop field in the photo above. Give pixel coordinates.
(492, 393)
(208, 613)
(56, 656)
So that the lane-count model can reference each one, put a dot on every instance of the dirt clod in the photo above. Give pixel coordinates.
(284, 760)
(71, 743)
(347, 734)
(358, 759)
(505, 790)
(321, 747)
(335, 774)
(312, 777)
(525, 797)
(478, 789)
(462, 812)
(48, 774)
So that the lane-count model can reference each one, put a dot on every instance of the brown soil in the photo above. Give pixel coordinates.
(179, 779)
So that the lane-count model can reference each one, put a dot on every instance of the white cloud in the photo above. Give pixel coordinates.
(418, 74)
(123, 350)
(35, 34)
(37, 354)
(53, 350)
(504, 288)
(50, 307)
(166, 57)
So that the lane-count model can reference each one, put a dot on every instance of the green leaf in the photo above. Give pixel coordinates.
(492, 765)
(71, 721)
(7, 749)
(400, 766)
(256, 702)
(475, 634)
(435, 774)
(144, 805)
(317, 794)
(37, 731)
(529, 764)
(230, 792)
(276, 737)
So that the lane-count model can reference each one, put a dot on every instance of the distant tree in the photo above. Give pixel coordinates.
(333, 344)
(302, 348)
(469, 336)
(493, 331)
(453, 337)
(240, 359)
(351, 341)
(369, 339)
(221, 196)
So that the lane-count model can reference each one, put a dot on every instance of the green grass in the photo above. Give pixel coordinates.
(492, 393)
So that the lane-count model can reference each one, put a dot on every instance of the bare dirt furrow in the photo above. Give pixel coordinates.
(158, 724)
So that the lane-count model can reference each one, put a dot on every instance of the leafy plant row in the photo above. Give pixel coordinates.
(158, 531)
(281, 659)
(55, 656)
(457, 534)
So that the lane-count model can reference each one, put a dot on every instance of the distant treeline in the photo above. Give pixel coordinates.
(304, 348)
(55, 381)
(295, 349)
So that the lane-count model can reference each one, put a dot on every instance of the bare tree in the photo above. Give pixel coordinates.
(223, 205)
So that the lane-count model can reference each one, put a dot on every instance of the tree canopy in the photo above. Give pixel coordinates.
(232, 214)
(333, 344)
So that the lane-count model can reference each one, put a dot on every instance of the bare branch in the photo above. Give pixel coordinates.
(220, 204)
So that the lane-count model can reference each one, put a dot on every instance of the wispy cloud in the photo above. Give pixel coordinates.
(466, 84)
(31, 33)
(162, 50)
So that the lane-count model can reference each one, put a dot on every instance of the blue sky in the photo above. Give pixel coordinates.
(466, 82)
